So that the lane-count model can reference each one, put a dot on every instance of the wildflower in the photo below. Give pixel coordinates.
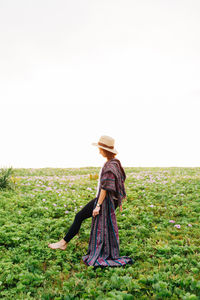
(171, 221)
(177, 226)
(89, 189)
(190, 225)
(66, 211)
(46, 207)
(151, 205)
(54, 204)
(65, 205)
(43, 200)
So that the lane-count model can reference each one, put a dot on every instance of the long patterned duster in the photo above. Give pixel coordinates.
(103, 249)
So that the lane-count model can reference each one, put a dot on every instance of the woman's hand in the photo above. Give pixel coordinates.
(96, 211)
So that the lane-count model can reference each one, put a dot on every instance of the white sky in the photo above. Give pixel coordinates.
(71, 71)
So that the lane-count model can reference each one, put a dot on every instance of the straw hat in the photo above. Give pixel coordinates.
(107, 143)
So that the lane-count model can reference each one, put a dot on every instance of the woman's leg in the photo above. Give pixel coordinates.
(84, 213)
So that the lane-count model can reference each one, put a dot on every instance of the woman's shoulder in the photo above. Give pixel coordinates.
(115, 164)
(112, 165)
(113, 161)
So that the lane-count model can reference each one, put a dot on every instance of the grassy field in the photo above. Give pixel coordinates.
(158, 228)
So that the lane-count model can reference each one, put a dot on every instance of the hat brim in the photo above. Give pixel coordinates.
(110, 150)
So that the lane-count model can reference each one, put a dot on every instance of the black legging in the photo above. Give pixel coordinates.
(84, 213)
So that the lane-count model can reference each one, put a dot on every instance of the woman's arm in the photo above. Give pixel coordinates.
(102, 196)
(100, 200)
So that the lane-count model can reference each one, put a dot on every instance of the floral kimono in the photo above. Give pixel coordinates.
(103, 249)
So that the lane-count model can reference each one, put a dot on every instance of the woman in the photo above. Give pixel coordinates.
(103, 249)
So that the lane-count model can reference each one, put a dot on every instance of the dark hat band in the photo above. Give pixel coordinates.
(103, 145)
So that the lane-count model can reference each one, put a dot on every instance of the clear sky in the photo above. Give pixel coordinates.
(71, 71)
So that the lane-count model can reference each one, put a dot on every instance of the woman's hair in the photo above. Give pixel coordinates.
(109, 154)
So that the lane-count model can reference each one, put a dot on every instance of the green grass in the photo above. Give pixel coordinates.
(166, 258)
